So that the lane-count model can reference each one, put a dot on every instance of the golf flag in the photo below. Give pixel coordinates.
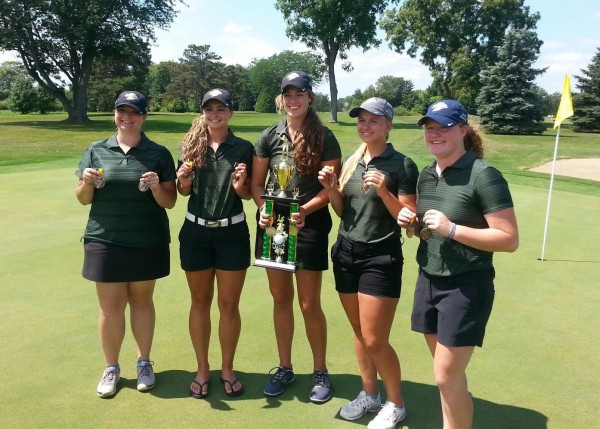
(565, 108)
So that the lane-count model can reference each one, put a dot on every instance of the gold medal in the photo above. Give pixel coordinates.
(426, 233)
(410, 230)
(270, 231)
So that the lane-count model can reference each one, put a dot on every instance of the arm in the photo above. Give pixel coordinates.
(328, 180)
(322, 198)
(241, 182)
(393, 203)
(502, 234)
(184, 184)
(164, 193)
(85, 189)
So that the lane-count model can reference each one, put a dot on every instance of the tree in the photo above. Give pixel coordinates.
(25, 97)
(455, 38)
(586, 104)
(158, 79)
(508, 102)
(266, 75)
(117, 73)
(10, 71)
(197, 71)
(396, 90)
(333, 27)
(58, 40)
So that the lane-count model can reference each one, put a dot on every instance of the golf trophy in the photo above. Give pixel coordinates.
(276, 239)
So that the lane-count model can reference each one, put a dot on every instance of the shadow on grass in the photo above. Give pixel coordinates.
(422, 400)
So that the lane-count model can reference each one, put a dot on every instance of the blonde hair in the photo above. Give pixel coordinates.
(350, 164)
(308, 141)
(194, 145)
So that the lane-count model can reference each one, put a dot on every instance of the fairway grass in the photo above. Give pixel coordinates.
(537, 369)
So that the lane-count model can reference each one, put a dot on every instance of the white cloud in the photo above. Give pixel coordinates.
(240, 46)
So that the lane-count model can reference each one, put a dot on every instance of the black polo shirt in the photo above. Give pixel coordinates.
(120, 213)
(365, 217)
(269, 145)
(465, 192)
(216, 198)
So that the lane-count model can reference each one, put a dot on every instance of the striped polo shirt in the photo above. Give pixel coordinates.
(120, 213)
(465, 192)
(216, 198)
(365, 218)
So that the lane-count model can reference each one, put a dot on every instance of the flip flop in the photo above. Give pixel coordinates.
(233, 392)
(199, 395)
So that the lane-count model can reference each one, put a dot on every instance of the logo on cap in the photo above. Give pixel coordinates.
(293, 75)
(439, 106)
(131, 96)
(215, 92)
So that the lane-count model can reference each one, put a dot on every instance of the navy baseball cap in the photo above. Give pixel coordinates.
(218, 94)
(298, 79)
(134, 99)
(375, 105)
(447, 113)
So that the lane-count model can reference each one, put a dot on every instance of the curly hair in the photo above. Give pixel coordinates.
(473, 140)
(309, 140)
(194, 145)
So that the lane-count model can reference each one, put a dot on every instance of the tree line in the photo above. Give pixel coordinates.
(82, 53)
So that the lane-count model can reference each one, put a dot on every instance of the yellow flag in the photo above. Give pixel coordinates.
(565, 108)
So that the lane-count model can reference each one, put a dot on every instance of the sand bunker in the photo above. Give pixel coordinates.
(584, 168)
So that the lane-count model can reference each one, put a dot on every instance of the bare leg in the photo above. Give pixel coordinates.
(112, 298)
(282, 290)
(142, 315)
(449, 367)
(229, 284)
(368, 372)
(201, 284)
(376, 317)
(309, 298)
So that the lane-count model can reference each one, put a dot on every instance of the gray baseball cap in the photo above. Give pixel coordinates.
(375, 105)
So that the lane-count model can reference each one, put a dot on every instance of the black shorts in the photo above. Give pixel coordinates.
(313, 238)
(456, 308)
(109, 263)
(226, 248)
(372, 269)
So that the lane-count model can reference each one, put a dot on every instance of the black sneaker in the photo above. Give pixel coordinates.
(322, 388)
(279, 381)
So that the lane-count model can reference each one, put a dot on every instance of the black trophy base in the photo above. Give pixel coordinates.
(283, 266)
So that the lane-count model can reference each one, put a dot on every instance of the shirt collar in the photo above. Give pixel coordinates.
(142, 145)
(463, 162)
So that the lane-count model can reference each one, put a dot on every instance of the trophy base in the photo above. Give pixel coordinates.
(283, 266)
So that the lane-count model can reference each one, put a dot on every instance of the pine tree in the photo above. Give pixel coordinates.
(508, 102)
(586, 104)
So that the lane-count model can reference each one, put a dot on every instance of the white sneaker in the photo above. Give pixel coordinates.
(108, 383)
(146, 379)
(360, 406)
(389, 416)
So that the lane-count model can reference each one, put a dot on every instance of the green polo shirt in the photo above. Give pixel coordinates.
(365, 218)
(120, 213)
(465, 192)
(269, 145)
(216, 198)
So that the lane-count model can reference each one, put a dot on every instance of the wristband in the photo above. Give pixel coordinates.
(452, 231)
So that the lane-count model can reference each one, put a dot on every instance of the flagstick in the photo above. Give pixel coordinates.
(550, 191)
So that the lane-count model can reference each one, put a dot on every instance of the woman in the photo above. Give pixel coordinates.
(464, 214)
(313, 147)
(214, 239)
(375, 183)
(129, 181)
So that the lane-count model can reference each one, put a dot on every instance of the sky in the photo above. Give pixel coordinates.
(241, 30)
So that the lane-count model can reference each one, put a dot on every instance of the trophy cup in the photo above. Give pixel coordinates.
(276, 238)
